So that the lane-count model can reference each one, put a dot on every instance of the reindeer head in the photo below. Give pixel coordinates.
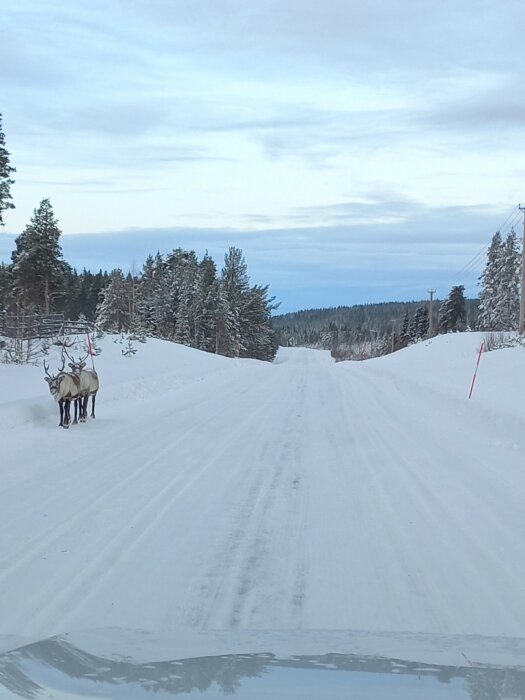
(54, 380)
(76, 365)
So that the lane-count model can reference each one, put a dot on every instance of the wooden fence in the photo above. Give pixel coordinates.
(32, 326)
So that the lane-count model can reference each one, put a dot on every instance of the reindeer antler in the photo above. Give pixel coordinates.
(46, 369)
(69, 356)
(75, 362)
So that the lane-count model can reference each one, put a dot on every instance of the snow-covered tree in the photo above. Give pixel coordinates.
(6, 285)
(113, 310)
(207, 305)
(452, 313)
(489, 282)
(234, 287)
(258, 339)
(423, 323)
(154, 296)
(38, 269)
(499, 293)
(418, 327)
(6, 170)
(507, 302)
(405, 327)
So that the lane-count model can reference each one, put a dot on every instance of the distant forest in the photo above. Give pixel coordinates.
(366, 329)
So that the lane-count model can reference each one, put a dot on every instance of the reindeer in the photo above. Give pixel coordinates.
(89, 385)
(64, 388)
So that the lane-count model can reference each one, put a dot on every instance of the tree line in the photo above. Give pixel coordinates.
(175, 297)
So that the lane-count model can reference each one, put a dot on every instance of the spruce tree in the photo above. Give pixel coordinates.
(235, 286)
(181, 271)
(6, 284)
(405, 327)
(452, 313)
(38, 269)
(207, 304)
(183, 311)
(489, 283)
(154, 295)
(507, 299)
(113, 311)
(423, 322)
(258, 338)
(6, 170)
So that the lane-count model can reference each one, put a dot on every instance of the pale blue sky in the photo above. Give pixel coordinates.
(356, 151)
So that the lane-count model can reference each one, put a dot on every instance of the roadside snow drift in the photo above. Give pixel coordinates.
(219, 494)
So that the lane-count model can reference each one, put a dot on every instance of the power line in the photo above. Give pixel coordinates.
(510, 226)
(473, 264)
(474, 261)
(516, 209)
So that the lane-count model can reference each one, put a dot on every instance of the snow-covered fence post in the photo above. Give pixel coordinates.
(476, 370)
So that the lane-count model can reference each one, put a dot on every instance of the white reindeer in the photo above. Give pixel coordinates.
(89, 385)
(64, 388)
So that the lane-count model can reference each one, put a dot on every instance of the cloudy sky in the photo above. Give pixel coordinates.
(356, 150)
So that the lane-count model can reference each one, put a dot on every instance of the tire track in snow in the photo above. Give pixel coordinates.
(246, 581)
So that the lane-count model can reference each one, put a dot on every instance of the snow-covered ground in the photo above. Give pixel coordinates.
(239, 497)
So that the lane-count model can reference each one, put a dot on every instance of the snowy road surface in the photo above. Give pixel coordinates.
(220, 494)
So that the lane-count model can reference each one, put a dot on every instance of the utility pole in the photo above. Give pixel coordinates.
(431, 313)
(522, 296)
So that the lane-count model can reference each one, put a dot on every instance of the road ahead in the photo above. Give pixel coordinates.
(299, 495)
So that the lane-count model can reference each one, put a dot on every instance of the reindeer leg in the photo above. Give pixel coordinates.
(93, 405)
(68, 413)
(61, 409)
(75, 420)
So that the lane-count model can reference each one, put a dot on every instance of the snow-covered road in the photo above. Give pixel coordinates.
(237, 494)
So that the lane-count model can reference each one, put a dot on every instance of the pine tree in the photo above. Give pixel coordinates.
(489, 282)
(452, 313)
(6, 170)
(37, 266)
